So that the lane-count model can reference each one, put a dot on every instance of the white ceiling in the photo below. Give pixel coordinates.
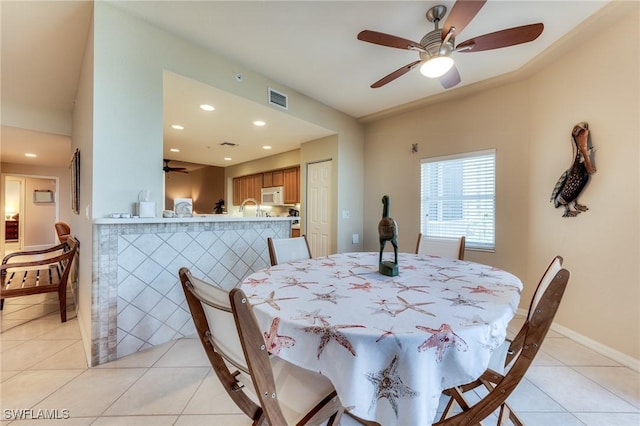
(310, 46)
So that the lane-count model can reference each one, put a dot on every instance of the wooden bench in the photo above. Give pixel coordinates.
(39, 271)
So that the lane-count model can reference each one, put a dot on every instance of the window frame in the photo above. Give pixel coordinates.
(480, 198)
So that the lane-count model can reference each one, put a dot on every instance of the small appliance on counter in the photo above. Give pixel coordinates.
(183, 207)
(294, 213)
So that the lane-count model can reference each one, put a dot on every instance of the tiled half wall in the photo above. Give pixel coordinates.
(137, 297)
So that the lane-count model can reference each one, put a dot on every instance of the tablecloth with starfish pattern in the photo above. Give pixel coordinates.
(390, 345)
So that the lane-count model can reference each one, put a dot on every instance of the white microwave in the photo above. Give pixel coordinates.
(273, 196)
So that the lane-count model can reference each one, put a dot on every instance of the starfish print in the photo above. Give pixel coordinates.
(442, 339)
(405, 287)
(383, 308)
(482, 274)
(254, 282)
(274, 341)
(328, 297)
(413, 307)
(294, 282)
(349, 274)
(409, 268)
(461, 301)
(387, 333)
(311, 317)
(456, 278)
(475, 320)
(271, 300)
(329, 264)
(329, 332)
(364, 286)
(481, 289)
(358, 265)
(389, 385)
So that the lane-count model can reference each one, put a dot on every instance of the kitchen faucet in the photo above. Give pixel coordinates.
(258, 211)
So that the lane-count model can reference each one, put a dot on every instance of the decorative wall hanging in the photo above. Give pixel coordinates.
(75, 182)
(388, 231)
(43, 196)
(574, 179)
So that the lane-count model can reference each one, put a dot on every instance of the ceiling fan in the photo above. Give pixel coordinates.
(168, 169)
(436, 47)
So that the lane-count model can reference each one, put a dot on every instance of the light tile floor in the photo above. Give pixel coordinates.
(44, 372)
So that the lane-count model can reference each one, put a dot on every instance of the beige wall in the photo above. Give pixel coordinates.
(204, 185)
(601, 246)
(529, 123)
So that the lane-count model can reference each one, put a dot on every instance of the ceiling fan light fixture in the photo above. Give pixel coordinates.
(436, 67)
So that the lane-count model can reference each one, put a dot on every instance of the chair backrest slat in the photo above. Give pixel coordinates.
(439, 246)
(553, 268)
(213, 318)
(283, 250)
(257, 356)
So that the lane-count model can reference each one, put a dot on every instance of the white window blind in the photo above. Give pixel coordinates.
(458, 197)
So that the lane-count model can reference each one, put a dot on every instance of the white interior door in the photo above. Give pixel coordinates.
(318, 207)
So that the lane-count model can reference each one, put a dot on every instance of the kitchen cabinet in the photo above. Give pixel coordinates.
(291, 185)
(273, 178)
(250, 186)
(247, 187)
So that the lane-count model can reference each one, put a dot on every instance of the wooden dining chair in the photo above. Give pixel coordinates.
(283, 250)
(510, 362)
(303, 396)
(25, 273)
(440, 246)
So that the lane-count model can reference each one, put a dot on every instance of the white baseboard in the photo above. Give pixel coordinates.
(604, 350)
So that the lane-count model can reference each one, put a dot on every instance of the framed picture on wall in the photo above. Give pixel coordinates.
(75, 182)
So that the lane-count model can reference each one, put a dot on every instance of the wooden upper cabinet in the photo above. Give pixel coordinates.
(247, 187)
(291, 185)
(273, 178)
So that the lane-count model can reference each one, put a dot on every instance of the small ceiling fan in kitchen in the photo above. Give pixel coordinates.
(436, 47)
(168, 169)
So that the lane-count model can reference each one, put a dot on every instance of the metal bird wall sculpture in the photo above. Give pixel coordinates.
(574, 179)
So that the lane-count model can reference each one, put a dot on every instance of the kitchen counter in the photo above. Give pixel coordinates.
(138, 300)
(199, 218)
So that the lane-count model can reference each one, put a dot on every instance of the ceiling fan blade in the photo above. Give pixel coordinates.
(397, 73)
(387, 40)
(451, 78)
(503, 38)
(462, 12)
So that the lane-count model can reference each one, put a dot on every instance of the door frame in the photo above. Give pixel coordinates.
(23, 218)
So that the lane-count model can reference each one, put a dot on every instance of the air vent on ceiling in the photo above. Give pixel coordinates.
(228, 144)
(278, 99)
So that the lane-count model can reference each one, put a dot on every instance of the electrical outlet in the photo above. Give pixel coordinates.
(355, 239)
(346, 214)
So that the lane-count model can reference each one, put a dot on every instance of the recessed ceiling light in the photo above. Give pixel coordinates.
(207, 107)
(259, 123)
(227, 158)
(266, 147)
(28, 154)
(177, 127)
(174, 150)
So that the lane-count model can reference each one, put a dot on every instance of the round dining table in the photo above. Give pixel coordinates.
(389, 345)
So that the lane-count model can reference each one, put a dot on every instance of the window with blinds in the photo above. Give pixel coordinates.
(458, 196)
